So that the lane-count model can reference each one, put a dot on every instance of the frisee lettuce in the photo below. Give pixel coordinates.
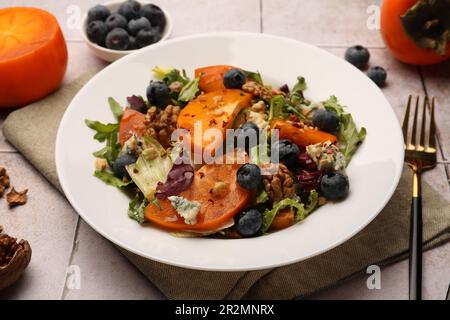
(189, 91)
(169, 75)
(136, 209)
(349, 137)
(270, 214)
(109, 178)
(313, 201)
(297, 91)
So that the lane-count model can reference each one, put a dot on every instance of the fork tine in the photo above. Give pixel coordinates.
(432, 136)
(406, 120)
(414, 128)
(421, 145)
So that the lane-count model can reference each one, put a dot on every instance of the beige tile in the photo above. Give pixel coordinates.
(437, 82)
(321, 22)
(105, 272)
(189, 16)
(48, 222)
(394, 280)
(80, 61)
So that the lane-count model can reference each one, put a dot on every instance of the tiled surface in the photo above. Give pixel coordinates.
(48, 223)
(323, 22)
(59, 239)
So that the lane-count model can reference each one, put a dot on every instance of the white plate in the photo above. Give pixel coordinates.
(374, 171)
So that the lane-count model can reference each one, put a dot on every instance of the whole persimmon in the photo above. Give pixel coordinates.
(417, 31)
(33, 55)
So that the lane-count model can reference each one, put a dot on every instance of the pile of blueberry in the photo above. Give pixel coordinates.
(133, 26)
(359, 57)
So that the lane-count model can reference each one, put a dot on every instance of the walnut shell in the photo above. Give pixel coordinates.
(12, 271)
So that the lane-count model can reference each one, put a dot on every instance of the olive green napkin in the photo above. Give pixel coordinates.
(32, 131)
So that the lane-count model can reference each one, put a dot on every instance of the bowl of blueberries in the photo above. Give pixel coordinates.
(117, 28)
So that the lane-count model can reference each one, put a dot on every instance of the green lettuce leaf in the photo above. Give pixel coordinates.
(255, 76)
(189, 91)
(116, 108)
(276, 109)
(349, 137)
(169, 75)
(333, 105)
(109, 178)
(262, 197)
(313, 201)
(136, 209)
(147, 172)
(109, 133)
(297, 91)
(270, 214)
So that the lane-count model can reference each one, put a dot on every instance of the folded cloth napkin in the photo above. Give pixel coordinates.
(32, 130)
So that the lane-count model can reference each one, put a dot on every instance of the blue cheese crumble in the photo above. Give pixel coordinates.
(326, 156)
(187, 209)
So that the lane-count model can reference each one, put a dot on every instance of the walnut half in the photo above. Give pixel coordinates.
(14, 258)
(279, 185)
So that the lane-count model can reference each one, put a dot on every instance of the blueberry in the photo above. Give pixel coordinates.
(378, 75)
(287, 152)
(133, 44)
(138, 24)
(121, 162)
(130, 9)
(234, 79)
(117, 39)
(137, 103)
(96, 32)
(116, 21)
(158, 94)
(248, 134)
(146, 37)
(249, 222)
(357, 56)
(154, 14)
(334, 186)
(325, 120)
(98, 12)
(249, 176)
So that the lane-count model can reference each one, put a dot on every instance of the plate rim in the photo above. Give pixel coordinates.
(193, 266)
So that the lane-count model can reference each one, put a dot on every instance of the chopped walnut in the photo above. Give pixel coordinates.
(258, 90)
(259, 107)
(15, 198)
(280, 185)
(176, 86)
(101, 164)
(4, 181)
(160, 124)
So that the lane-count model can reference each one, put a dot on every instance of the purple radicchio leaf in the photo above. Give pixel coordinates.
(137, 103)
(179, 179)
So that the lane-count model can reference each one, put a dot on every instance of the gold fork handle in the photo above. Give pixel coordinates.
(415, 241)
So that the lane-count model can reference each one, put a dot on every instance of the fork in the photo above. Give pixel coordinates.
(420, 156)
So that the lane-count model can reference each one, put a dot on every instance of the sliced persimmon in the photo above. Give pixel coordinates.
(301, 136)
(132, 122)
(33, 55)
(217, 110)
(212, 77)
(216, 207)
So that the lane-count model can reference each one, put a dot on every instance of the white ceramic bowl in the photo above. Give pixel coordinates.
(112, 55)
(373, 172)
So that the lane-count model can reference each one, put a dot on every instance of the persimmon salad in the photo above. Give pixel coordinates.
(279, 156)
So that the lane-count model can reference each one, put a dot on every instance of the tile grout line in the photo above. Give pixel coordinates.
(72, 253)
(424, 87)
(261, 25)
